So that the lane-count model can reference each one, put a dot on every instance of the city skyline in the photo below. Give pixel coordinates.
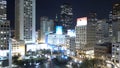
(80, 8)
(95, 35)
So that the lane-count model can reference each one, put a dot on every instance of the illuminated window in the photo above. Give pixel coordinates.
(1, 32)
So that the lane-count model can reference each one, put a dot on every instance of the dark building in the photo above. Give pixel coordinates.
(66, 17)
(103, 50)
(4, 35)
(4, 29)
(116, 11)
(116, 21)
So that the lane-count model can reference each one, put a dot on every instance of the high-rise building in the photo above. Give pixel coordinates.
(86, 35)
(116, 11)
(101, 31)
(4, 29)
(66, 17)
(116, 21)
(110, 27)
(3, 6)
(4, 35)
(91, 29)
(81, 32)
(46, 27)
(25, 20)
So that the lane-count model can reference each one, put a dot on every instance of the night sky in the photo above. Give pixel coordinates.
(52, 7)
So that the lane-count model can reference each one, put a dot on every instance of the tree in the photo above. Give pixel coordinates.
(15, 59)
(92, 63)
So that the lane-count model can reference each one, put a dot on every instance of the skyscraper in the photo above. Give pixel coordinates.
(116, 21)
(25, 20)
(85, 33)
(110, 26)
(91, 29)
(46, 27)
(4, 29)
(66, 17)
(4, 35)
(116, 11)
(85, 36)
(101, 31)
(81, 33)
(3, 6)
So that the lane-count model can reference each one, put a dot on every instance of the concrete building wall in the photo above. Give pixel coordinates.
(25, 20)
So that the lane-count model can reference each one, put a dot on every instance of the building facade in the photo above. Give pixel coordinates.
(110, 27)
(25, 20)
(103, 51)
(18, 47)
(58, 39)
(4, 29)
(116, 54)
(46, 27)
(3, 7)
(102, 31)
(66, 17)
(80, 40)
(85, 34)
(71, 34)
(116, 21)
(72, 44)
(85, 37)
(4, 37)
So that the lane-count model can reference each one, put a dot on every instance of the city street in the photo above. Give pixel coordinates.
(48, 64)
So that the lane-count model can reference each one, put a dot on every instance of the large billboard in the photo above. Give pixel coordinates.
(82, 21)
(58, 29)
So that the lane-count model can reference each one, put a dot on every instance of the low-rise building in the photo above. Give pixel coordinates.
(18, 47)
(103, 51)
(58, 39)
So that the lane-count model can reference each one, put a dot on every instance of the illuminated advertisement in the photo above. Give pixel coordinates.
(82, 21)
(58, 29)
